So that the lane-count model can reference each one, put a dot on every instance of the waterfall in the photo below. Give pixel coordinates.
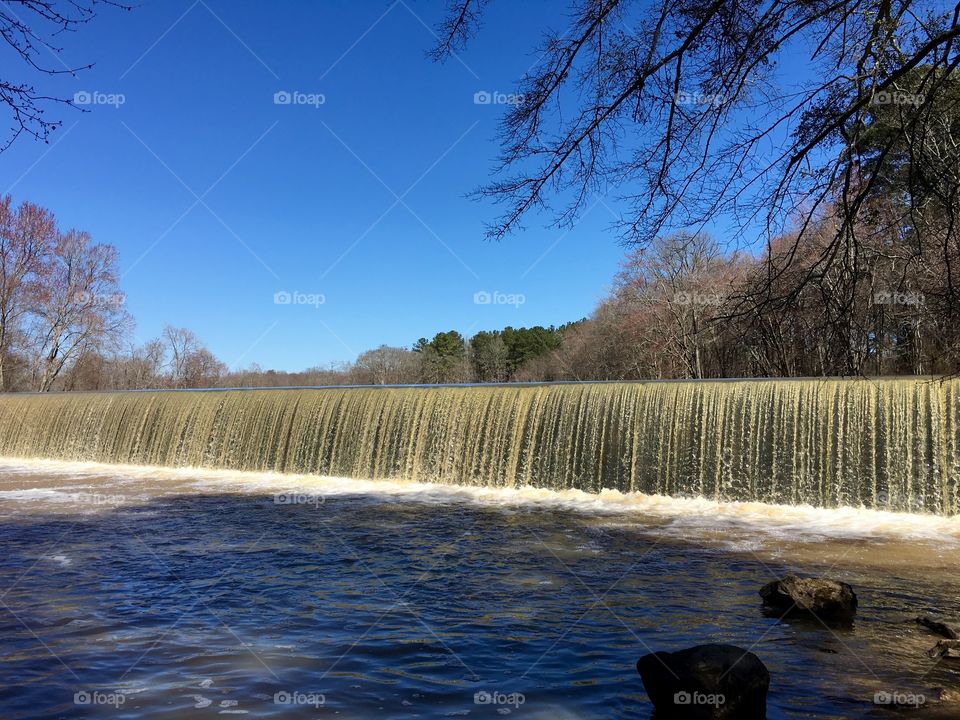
(885, 444)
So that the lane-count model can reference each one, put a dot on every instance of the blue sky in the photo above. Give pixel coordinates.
(217, 198)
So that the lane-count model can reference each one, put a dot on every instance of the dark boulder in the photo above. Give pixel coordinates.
(935, 626)
(945, 649)
(706, 682)
(823, 598)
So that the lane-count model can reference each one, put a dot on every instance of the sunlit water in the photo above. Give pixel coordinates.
(144, 592)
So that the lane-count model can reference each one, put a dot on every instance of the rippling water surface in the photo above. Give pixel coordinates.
(134, 593)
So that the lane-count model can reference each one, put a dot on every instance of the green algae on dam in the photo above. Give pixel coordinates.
(885, 444)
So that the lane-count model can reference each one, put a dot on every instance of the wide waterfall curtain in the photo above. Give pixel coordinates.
(885, 443)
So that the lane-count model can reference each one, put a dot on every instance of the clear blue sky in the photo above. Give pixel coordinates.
(303, 198)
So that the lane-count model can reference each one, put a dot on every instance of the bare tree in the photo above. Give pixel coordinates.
(189, 363)
(29, 28)
(678, 285)
(138, 368)
(676, 105)
(79, 306)
(202, 369)
(27, 237)
(181, 345)
(387, 365)
(489, 357)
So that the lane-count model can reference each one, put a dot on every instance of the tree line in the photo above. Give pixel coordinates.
(679, 108)
(846, 180)
(684, 306)
(63, 318)
(179, 360)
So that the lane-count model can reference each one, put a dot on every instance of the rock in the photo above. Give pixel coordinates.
(822, 598)
(945, 649)
(706, 682)
(938, 627)
(946, 695)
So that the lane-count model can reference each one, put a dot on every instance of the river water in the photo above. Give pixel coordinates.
(130, 592)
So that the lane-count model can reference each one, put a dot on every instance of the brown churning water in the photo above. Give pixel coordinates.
(886, 444)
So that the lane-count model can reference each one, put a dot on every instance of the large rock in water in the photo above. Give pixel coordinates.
(823, 598)
(945, 648)
(706, 682)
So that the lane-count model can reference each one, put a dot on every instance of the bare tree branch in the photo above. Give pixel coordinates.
(28, 29)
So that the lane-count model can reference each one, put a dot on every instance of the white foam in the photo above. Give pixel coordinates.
(47, 494)
(684, 515)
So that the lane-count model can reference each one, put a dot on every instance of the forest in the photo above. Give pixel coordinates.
(682, 307)
(842, 256)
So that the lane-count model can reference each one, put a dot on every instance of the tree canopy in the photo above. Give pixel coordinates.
(762, 113)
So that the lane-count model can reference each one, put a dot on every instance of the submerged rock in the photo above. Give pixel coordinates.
(937, 627)
(706, 682)
(823, 598)
(945, 649)
(947, 696)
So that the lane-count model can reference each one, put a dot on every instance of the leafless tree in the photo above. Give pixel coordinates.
(79, 306)
(387, 365)
(678, 285)
(30, 30)
(490, 359)
(139, 367)
(202, 369)
(27, 237)
(181, 344)
(677, 106)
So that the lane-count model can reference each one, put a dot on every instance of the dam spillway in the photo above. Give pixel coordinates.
(883, 444)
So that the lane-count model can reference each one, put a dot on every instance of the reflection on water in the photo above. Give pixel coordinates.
(177, 594)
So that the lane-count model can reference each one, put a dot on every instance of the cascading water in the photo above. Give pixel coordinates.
(886, 444)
